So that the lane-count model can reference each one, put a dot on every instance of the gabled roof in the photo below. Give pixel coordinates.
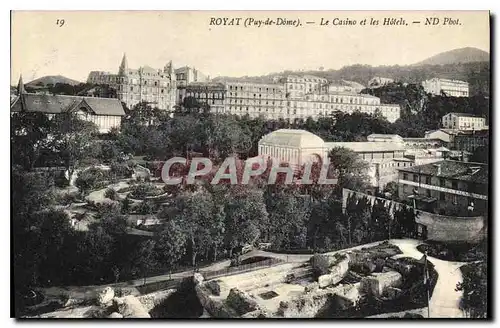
(457, 170)
(54, 104)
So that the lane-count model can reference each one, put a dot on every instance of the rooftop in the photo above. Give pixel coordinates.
(54, 104)
(457, 170)
(384, 136)
(293, 138)
(463, 114)
(368, 146)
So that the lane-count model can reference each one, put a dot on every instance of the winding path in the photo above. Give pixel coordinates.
(445, 301)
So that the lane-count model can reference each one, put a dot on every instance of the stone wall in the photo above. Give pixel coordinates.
(439, 227)
(450, 228)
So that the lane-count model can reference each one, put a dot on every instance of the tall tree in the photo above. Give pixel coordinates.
(171, 244)
(74, 139)
(144, 257)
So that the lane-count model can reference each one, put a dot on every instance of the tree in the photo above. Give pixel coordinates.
(171, 244)
(246, 217)
(352, 170)
(74, 139)
(109, 216)
(475, 290)
(287, 218)
(94, 252)
(194, 212)
(29, 137)
(145, 257)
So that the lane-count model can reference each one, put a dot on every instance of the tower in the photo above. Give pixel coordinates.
(169, 69)
(20, 86)
(123, 66)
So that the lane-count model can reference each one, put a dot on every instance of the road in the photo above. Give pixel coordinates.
(445, 301)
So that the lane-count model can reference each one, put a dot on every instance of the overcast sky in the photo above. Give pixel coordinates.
(97, 40)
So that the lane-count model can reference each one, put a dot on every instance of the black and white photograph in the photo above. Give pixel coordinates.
(250, 165)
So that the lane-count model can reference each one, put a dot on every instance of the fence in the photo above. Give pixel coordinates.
(242, 268)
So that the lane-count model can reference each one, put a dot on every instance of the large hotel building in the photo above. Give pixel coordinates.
(155, 86)
(453, 88)
(291, 97)
(287, 97)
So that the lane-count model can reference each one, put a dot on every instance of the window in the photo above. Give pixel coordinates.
(441, 182)
(441, 196)
(428, 180)
(415, 178)
(454, 185)
(428, 192)
(405, 176)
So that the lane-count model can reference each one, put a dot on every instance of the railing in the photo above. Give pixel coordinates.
(242, 268)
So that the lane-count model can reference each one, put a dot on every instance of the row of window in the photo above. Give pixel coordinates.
(236, 88)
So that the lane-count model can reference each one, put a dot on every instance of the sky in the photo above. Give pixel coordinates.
(97, 40)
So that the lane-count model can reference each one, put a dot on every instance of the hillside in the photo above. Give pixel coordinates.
(51, 79)
(457, 56)
(476, 73)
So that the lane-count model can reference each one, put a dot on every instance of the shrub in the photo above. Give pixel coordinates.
(143, 190)
(92, 178)
(111, 194)
(121, 170)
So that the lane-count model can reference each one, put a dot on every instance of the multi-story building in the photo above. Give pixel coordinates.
(255, 99)
(453, 88)
(463, 121)
(444, 184)
(471, 140)
(186, 75)
(296, 87)
(298, 147)
(345, 86)
(106, 113)
(306, 97)
(378, 81)
(155, 86)
(212, 94)
(317, 105)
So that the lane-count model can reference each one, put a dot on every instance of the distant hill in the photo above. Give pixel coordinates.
(457, 56)
(476, 73)
(51, 79)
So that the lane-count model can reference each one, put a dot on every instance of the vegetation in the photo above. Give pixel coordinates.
(203, 222)
(475, 290)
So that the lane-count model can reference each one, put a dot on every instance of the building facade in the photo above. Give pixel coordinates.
(293, 97)
(298, 147)
(106, 113)
(158, 87)
(378, 81)
(185, 75)
(463, 121)
(438, 186)
(212, 94)
(297, 86)
(469, 141)
(453, 88)
(255, 99)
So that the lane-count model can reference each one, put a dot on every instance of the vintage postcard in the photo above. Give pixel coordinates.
(250, 164)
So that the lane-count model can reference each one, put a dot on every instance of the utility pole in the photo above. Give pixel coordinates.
(426, 284)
